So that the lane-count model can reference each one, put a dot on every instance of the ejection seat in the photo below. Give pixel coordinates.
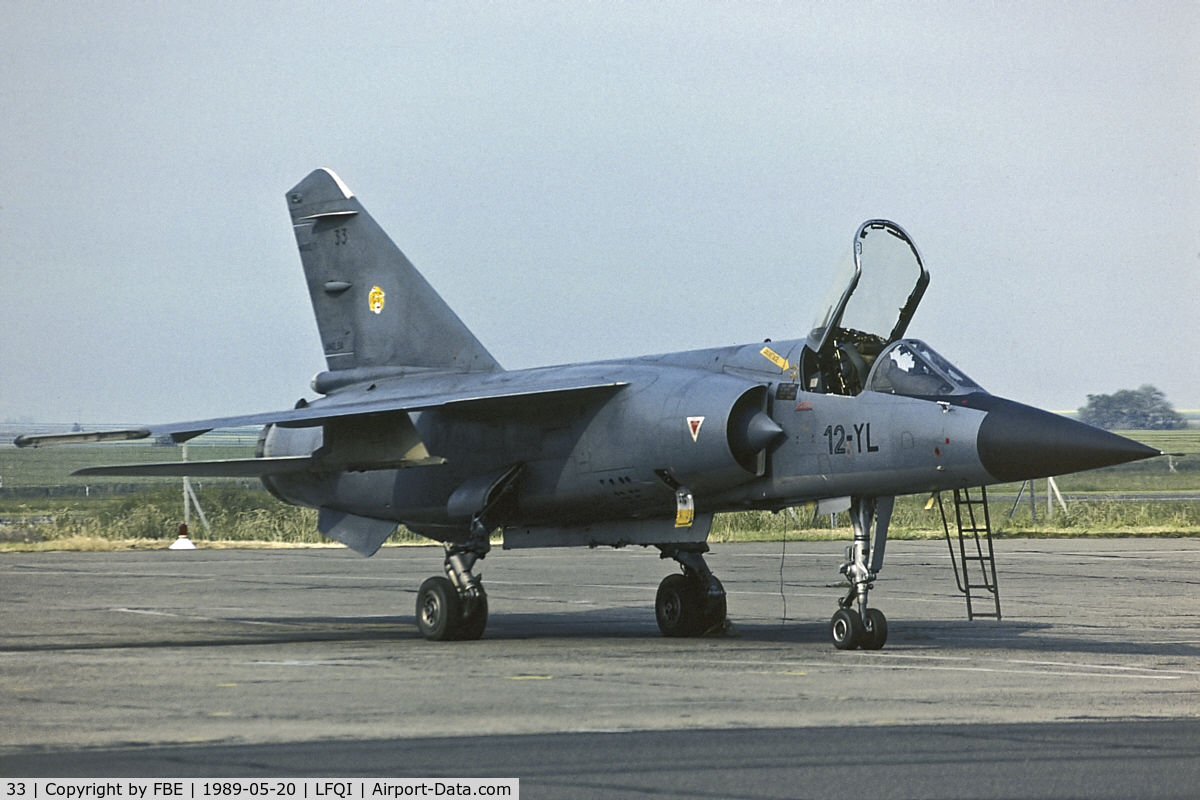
(875, 292)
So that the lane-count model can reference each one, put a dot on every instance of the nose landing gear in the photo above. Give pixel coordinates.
(854, 624)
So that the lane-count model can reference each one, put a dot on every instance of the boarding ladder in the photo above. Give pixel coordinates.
(969, 512)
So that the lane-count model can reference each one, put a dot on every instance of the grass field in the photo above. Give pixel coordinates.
(50, 468)
(41, 507)
(1184, 441)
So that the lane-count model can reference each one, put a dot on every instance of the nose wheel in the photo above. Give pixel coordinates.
(848, 629)
(875, 630)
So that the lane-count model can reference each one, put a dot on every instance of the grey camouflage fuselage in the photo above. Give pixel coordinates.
(417, 424)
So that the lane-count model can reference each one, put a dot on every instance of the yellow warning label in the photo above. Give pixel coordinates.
(685, 508)
(375, 299)
(774, 358)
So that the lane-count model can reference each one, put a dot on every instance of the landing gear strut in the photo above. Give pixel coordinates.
(854, 624)
(693, 603)
(456, 607)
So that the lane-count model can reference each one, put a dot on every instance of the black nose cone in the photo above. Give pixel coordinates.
(1018, 442)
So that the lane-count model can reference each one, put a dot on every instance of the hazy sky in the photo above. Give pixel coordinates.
(587, 180)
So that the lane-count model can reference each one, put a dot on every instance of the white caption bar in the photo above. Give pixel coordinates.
(274, 788)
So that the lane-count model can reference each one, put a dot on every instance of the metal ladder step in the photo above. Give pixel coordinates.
(967, 524)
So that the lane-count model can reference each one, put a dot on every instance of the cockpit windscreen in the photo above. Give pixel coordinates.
(911, 367)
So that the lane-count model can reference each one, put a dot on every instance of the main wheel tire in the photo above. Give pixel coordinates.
(471, 626)
(679, 607)
(846, 629)
(714, 613)
(875, 630)
(439, 611)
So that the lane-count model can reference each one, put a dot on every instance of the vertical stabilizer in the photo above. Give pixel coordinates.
(373, 308)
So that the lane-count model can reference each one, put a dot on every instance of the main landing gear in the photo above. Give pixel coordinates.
(693, 603)
(455, 608)
(854, 624)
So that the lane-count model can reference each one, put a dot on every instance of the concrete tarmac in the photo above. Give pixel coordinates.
(307, 662)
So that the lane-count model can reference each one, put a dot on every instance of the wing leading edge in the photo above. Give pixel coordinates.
(337, 411)
(314, 415)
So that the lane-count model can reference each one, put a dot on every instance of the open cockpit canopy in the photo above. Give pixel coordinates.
(875, 293)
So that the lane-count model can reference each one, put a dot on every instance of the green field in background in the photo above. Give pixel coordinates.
(1184, 441)
(52, 466)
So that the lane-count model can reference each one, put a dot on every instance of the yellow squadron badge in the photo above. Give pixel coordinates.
(375, 299)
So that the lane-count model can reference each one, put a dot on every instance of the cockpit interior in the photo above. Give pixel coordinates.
(855, 344)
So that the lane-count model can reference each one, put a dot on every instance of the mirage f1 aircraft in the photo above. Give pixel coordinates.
(418, 425)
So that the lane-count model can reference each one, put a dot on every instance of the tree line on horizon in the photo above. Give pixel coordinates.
(1144, 408)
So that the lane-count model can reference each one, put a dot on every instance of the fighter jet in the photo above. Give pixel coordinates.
(418, 425)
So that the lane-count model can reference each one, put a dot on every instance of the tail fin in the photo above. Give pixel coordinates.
(373, 308)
